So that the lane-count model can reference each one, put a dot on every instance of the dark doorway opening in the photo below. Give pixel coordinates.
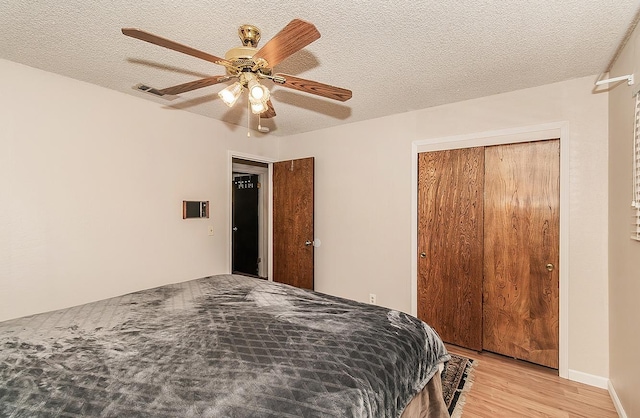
(245, 224)
(248, 218)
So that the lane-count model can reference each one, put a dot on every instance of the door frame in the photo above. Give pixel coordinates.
(500, 137)
(263, 212)
(261, 159)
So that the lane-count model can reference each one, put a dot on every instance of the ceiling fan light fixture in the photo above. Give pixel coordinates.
(257, 107)
(231, 94)
(249, 65)
(257, 91)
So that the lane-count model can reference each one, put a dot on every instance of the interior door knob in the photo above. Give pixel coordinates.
(423, 255)
(235, 228)
(307, 242)
(550, 267)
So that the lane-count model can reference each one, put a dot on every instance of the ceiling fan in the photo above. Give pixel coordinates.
(248, 65)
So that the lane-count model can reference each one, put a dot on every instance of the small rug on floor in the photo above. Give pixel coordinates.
(457, 378)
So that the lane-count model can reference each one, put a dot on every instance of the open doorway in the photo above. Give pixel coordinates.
(249, 211)
(285, 217)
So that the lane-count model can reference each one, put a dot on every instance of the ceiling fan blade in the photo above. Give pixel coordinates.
(160, 41)
(270, 112)
(313, 87)
(193, 85)
(292, 38)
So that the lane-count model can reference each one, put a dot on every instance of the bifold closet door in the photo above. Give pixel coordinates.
(521, 239)
(450, 250)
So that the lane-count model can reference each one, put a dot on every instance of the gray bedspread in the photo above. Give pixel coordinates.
(222, 346)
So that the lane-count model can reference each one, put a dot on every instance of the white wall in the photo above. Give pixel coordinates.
(91, 183)
(363, 200)
(91, 190)
(624, 253)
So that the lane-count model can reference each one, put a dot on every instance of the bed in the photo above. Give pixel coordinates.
(221, 346)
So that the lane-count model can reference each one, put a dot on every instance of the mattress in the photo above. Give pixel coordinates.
(220, 346)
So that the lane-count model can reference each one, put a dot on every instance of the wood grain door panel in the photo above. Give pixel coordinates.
(521, 236)
(293, 222)
(450, 230)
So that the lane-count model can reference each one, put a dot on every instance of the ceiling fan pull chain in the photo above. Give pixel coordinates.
(248, 118)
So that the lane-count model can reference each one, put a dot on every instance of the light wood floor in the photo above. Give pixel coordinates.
(505, 387)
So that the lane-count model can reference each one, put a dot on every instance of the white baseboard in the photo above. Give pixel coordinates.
(589, 379)
(599, 382)
(616, 401)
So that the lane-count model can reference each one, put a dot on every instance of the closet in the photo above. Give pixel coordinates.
(488, 237)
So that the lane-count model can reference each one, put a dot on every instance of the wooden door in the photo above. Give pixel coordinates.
(521, 237)
(450, 211)
(293, 222)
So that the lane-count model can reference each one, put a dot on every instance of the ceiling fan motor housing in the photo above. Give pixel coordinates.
(242, 56)
(242, 59)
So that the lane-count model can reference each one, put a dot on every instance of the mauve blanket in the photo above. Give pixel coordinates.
(221, 346)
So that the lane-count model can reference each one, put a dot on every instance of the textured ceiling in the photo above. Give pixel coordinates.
(396, 56)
